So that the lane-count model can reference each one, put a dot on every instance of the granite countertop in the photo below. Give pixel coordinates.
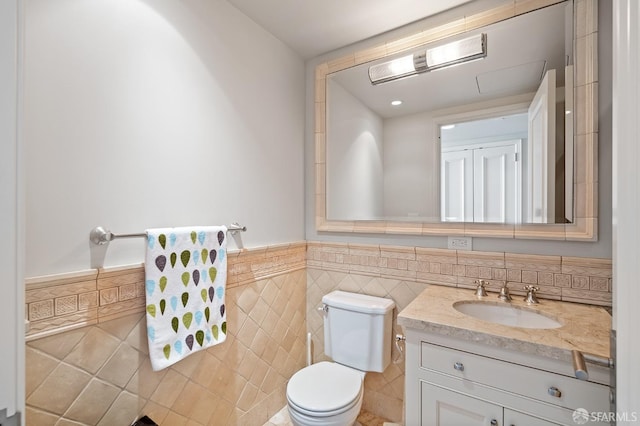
(584, 328)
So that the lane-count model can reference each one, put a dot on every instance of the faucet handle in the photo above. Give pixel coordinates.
(504, 293)
(531, 290)
(480, 290)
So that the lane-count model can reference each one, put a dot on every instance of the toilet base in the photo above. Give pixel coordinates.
(347, 418)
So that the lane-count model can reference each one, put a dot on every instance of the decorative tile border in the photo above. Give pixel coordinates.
(573, 279)
(67, 301)
(63, 302)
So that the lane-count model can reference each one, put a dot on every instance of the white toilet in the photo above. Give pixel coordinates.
(357, 336)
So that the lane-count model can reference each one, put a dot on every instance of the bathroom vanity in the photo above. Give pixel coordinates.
(463, 370)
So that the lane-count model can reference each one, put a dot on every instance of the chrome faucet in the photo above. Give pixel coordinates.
(531, 298)
(504, 294)
(480, 290)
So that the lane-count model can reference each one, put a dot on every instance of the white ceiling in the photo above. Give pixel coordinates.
(314, 27)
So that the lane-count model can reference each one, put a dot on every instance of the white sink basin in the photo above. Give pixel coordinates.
(502, 313)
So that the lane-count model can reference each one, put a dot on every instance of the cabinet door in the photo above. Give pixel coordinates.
(515, 418)
(442, 407)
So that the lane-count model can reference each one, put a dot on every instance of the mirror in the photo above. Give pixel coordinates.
(426, 167)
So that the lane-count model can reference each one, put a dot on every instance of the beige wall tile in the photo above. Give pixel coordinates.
(40, 366)
(169, 388)
(122, 365)
(93, 402)
(524, 6)
(108, 296)
(35, 417)
(187, 399)
(145, 382)
(48, 396)
(265, 348)
(59, 346)
(87, 300)
(41, 310)
(263, 351)
(57, 324)
(57, 287)
(586, 17)
(66, 304)
(121, 327)
(123, 411)
(202, 410)
(93, 350)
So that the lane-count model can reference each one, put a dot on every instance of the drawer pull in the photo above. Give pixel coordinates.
(554, 391)
(458, 366)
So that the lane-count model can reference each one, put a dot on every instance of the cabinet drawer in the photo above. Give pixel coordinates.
(529, 382)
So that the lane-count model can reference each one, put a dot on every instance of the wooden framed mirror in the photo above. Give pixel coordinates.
(580, 150)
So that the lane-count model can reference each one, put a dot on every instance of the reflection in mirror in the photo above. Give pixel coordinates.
(482, 141)
(481, 169)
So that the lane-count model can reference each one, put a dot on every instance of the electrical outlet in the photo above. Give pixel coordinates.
(459, 243)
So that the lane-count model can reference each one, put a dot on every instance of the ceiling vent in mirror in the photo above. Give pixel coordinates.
(457, 52)
(517, 79)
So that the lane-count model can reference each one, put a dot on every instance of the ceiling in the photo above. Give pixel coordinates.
(314, 27)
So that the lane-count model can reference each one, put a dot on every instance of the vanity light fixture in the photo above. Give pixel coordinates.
(397, 68)
(457, 52)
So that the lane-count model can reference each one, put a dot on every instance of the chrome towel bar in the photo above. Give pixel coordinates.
(99, 235)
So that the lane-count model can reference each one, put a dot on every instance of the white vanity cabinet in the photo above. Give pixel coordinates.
(455, 382)
(442, 407)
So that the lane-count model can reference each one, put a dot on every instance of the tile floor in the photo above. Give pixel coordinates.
(281, 418)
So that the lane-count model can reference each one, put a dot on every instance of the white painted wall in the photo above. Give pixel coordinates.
(11, 289)
(626, 202)
(355, 184)
(411, 166)
(142, 114)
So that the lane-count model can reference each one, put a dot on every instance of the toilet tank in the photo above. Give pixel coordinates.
(358, 330)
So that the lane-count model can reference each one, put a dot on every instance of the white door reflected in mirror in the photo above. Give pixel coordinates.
(481, 183)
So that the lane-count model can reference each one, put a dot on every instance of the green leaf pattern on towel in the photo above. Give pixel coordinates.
(200, 265)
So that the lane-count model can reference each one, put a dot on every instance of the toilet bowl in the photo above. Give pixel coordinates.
(357, 337)
(325, 393)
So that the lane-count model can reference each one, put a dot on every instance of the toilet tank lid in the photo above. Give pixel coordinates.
(358, 302)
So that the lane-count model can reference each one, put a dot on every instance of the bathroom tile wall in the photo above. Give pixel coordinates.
(401, 273)
(89, 340)
(573, 279)
(87, 331)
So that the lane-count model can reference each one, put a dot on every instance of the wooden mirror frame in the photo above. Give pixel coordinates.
(585, 139)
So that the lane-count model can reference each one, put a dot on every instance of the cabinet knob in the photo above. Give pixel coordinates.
(458, 366)
(554, 391)
(494, 422)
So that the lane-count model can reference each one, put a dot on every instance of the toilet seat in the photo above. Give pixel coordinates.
(324, 389)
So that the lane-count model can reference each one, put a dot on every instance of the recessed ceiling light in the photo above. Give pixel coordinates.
(396, 103)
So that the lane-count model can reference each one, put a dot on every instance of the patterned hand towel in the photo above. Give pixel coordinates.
(185, 278)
